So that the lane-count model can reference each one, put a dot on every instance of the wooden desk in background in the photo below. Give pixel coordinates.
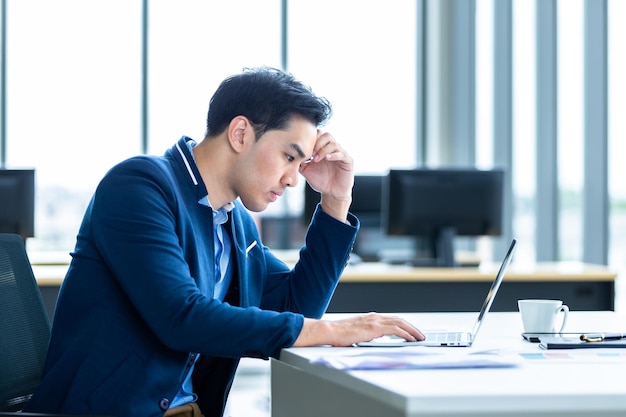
(391, 288)
(387, 288)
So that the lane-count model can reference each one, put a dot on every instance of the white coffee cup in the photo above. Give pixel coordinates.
(540, 316)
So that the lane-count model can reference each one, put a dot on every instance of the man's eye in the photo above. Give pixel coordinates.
(290, 158)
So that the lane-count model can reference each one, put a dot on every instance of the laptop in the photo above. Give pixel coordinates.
(452, 338)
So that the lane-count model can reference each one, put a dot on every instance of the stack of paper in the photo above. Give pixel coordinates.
(414, 358)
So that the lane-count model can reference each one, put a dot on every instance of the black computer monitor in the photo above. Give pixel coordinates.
(17, 202)
(366, 200)
(371, 241)
(435, 205)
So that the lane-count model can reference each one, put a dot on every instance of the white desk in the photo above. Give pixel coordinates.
(555, 383)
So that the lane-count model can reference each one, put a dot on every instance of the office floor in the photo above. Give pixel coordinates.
(250, 395)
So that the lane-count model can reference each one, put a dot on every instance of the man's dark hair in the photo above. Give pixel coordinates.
(268, 97)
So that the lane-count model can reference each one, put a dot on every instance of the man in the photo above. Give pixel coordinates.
(170, 283)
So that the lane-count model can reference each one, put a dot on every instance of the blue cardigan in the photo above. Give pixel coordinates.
(130, 317)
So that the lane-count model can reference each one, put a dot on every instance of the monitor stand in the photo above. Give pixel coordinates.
(441, 246)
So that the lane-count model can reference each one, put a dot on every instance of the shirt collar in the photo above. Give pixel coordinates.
(220, 216)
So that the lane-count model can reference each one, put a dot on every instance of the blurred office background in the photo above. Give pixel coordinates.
(530, 86)
(535, 87)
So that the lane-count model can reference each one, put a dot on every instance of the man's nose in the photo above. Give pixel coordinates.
(291, 179)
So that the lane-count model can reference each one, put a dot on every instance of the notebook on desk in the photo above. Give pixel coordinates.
(453, 338)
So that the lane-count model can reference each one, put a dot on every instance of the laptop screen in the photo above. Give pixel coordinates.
(491, 295)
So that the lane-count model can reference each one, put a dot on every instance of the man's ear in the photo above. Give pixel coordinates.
(238, 131)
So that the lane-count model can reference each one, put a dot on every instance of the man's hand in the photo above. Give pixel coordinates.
(356, 329)
(331, 173)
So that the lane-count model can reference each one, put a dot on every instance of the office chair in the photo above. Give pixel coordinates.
(24, 329)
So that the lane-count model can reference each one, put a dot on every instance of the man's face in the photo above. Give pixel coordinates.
(271, 164)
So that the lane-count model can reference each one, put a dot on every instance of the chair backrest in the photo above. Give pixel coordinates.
(24, 326)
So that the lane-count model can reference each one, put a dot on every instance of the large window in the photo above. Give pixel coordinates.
(75, 78)
(617, 144)
(568, 85)
(570, 76)
(75, 100)
(524, 127)
(362, 57)
(73, 89)
(193, 46)
(617, 133)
